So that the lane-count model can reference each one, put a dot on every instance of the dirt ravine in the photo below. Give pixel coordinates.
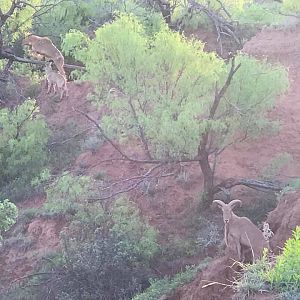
(170, 207)
(277, 46)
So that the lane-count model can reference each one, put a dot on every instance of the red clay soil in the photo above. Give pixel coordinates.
(171, 208)
(41, 236)
(284, 219)
(246, 159)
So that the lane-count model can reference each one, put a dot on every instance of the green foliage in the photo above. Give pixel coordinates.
(167, 285)
(20, 22)
(286, 273)
(292, 6)
(23, 153)
(260, 14)
(281, 276)
(136, 234)
(167, 85)
(67, 194)
(8, 215)
(177, 247)
(100, 269)
(65, 145)
(253, 276)
(86, 16)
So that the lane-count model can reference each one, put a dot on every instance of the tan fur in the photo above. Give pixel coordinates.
(240, 233)
(56, 80)
(44, 46)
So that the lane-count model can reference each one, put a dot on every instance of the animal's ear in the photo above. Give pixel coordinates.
(219, 203)
(235, 203)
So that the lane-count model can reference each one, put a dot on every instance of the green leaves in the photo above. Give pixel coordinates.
(159, 89)
(8, 215)
(68, 193)
(135, 234)
(21, 20)
(23, 139)
(286, 273)
(292, 6)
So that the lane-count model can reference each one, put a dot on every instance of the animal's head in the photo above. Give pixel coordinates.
(27, 40)
(227, 208)
(30, 39)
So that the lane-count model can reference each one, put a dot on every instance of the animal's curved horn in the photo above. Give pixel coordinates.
(219, 203)
(235, 202)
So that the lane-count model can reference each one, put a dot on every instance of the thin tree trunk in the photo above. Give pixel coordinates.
(208, 181)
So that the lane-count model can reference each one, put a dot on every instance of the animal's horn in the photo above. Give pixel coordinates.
(235, 202)
(219, 203)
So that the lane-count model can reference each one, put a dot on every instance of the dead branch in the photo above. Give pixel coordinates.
(222, 26)
(134, 182)
(264, 185)
(115, 146)
(70, 138)
(20, 125)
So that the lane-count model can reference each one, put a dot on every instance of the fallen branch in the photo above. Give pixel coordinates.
(10, 56)
(250, 183)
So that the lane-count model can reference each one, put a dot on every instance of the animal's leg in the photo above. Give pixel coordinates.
(49, 87)
(66, 90)
(59, 62)
(54, 88)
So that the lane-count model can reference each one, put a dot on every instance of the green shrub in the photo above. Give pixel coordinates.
(286, 273)
(168, 285)
(292, 6)
(137, 235)
(67, 194)
(253, 277)
(65, 145)
(282, 277)
(23, 153)
(8, 215)
(99, 269)
(177, 247)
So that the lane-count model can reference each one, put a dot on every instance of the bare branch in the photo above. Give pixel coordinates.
(137, 180)
(8, 55)
(115, 146)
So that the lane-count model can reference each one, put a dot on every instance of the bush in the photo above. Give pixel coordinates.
(253, 277)
(137, 235)
(168, 285)
(8, 215)
(292, 6)
(286, 273)
(96, 270)
(282, 277)
(67, 194)
(23, 152)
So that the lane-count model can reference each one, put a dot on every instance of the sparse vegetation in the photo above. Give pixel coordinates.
(23, 152)
(8, 215)
(167, 285)
(161, 112)
(281, 276)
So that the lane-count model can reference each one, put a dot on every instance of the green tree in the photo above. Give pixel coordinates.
(291, 6)
(183, 104)
(8, 215)
(23, 141)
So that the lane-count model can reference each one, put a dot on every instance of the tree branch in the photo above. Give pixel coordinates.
(138, 180)
(251, 183)
(8, 55)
